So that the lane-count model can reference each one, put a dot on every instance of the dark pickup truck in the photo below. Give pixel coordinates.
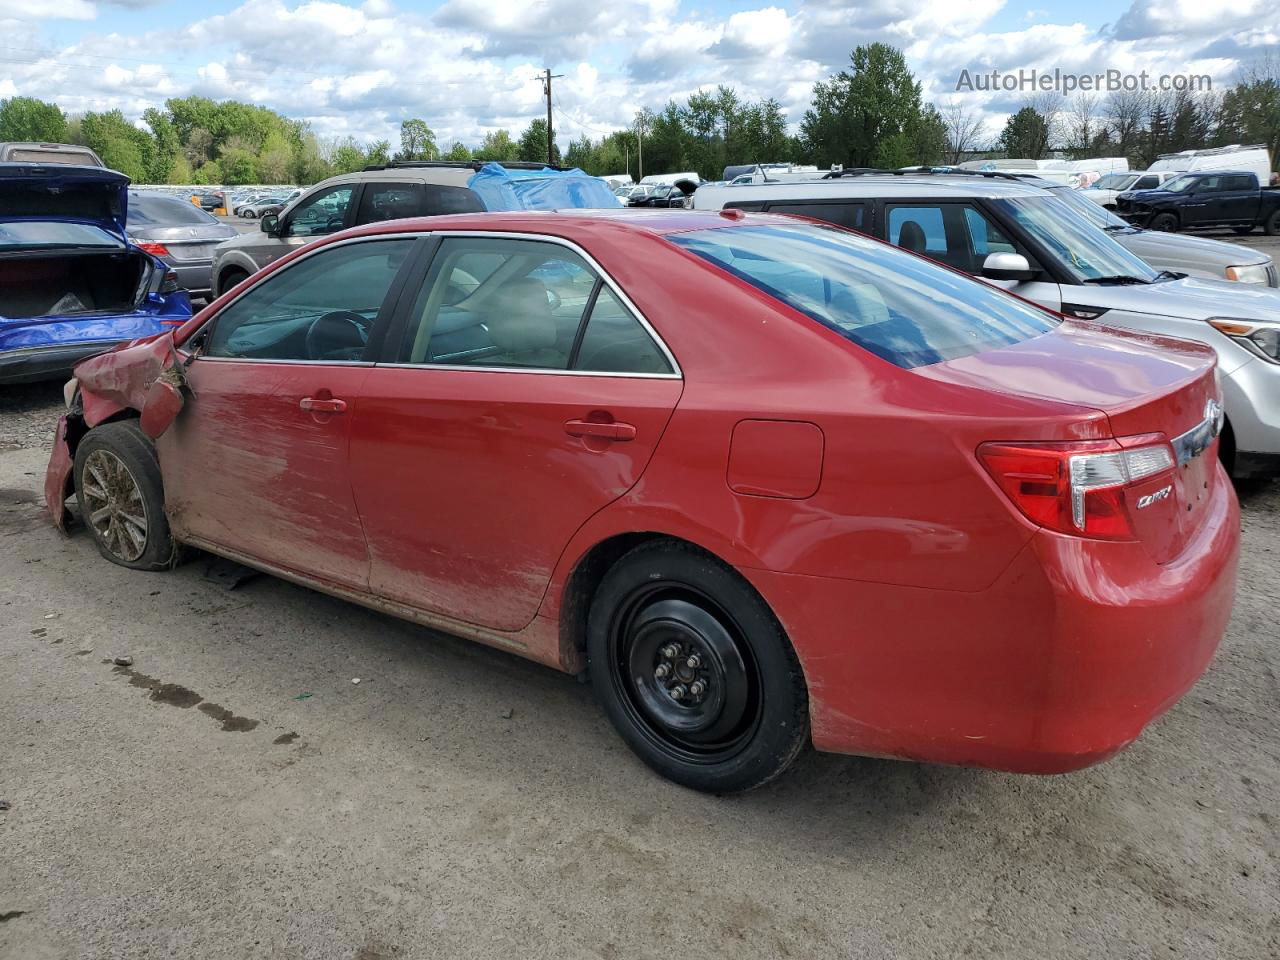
(1219, 198)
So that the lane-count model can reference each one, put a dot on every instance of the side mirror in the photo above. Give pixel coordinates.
(270, 222)
(1007, 266)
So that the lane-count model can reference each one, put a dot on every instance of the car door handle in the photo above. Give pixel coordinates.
(328, 405)
(612, 430)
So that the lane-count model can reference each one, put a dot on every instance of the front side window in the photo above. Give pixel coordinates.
(522, 304)
(1180, 184)
(321, 308)
(320, 214)
(1147, 183)
(955, 234)
(903, 309)
(1081, 248)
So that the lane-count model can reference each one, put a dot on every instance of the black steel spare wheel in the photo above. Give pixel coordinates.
(694, 670)
(685, 673)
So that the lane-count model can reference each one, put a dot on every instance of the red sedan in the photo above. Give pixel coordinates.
(768, 481)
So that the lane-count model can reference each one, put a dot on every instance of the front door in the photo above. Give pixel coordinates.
(521, 395)
(257, 460)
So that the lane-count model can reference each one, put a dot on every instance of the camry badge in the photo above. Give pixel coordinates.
(1150, 498)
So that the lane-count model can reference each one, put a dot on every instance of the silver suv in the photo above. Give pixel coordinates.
(390, 192)
(1024, 239)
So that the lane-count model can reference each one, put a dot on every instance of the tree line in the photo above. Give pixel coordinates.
(871, 114)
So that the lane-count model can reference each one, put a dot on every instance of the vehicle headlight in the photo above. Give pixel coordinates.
(1260, 336)
(1250, 273)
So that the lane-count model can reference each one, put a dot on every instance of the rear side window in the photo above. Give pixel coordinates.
(1239, 182)
(850, 215)
(165, 211)
(395, 201)
(903, 309)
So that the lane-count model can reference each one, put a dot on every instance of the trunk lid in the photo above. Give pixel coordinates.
(61, 192)
(1153, 390)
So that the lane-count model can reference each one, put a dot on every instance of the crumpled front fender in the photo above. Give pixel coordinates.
(145, 376)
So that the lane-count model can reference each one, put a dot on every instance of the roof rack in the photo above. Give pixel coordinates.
(475, 164)
(927, 171)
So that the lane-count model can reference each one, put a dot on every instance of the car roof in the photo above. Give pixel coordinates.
(879, 185)
(573, 224)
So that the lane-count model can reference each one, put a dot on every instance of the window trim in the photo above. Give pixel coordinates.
(389, 304)
(422, 269)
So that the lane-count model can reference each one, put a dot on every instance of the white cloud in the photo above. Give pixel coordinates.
(360, 67)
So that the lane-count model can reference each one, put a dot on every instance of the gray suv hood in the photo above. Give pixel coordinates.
(1170, 248)
(1191, 298)
(243, 240)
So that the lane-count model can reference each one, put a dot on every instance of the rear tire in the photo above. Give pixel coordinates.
(248, 214)
(694, 671)
(121, 497)
(1272, 226)
(1165, 222)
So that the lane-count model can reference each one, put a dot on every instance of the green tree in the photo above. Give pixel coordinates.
(167, 147)
(458, 153)
(533, 144)
(180, 172)
(26, 118)
(208, 175)
(498, 145)
(120, 144)
(275, 159)
(237, 162)
(1025, 134)
(417, 141)
(379, 152)
(865, 116)
(348, 156)
(1250, 112)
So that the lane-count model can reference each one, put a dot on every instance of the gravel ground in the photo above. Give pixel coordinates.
(233, 794)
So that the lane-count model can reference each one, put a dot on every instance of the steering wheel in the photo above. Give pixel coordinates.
(331, 332)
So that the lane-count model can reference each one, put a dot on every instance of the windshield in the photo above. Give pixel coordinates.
(1078, 245)
(904, 309)
(1178, 184)
(1116, 181)
(164, 211)
(22, 235)
(1095, 213)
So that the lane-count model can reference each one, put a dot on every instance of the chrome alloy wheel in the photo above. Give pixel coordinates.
(114, 505)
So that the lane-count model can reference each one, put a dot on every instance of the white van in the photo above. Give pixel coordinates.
(669, 179)
(1253, 159)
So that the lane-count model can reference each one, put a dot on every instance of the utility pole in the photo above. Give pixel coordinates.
(546, 77)
(640, 142)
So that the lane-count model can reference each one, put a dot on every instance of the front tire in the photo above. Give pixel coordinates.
(1165, 222)
(121, 497)
(1242, 231)
(248, 214)
(694, 671)
(230, 279)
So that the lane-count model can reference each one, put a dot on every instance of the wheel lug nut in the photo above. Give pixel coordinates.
(694, 662)
(697, 688)
(661, 671)
(678, 692)
(671, 651)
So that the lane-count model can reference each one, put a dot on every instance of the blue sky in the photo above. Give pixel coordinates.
(466, 66)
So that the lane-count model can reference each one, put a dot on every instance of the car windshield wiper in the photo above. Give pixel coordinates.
(1169, 275)
(1118, 278)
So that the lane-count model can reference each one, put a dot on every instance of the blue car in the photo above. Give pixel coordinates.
(71, 283)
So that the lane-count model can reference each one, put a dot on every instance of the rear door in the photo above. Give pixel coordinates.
(1238, 202)
(520, 394)
(392, 200)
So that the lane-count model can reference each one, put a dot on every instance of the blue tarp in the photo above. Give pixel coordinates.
(546, 189)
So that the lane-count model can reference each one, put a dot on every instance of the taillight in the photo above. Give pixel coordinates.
(1075, 488)
(155, 249)
(169, 283)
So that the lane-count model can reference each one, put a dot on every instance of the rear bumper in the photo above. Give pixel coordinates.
(193, 276)
(1058, 665)
(47, 363)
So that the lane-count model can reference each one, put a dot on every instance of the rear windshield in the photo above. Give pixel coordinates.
(165, 211)
(37, 234)
(900, 307)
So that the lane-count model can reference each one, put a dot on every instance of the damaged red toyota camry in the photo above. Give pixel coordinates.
(769, 482)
